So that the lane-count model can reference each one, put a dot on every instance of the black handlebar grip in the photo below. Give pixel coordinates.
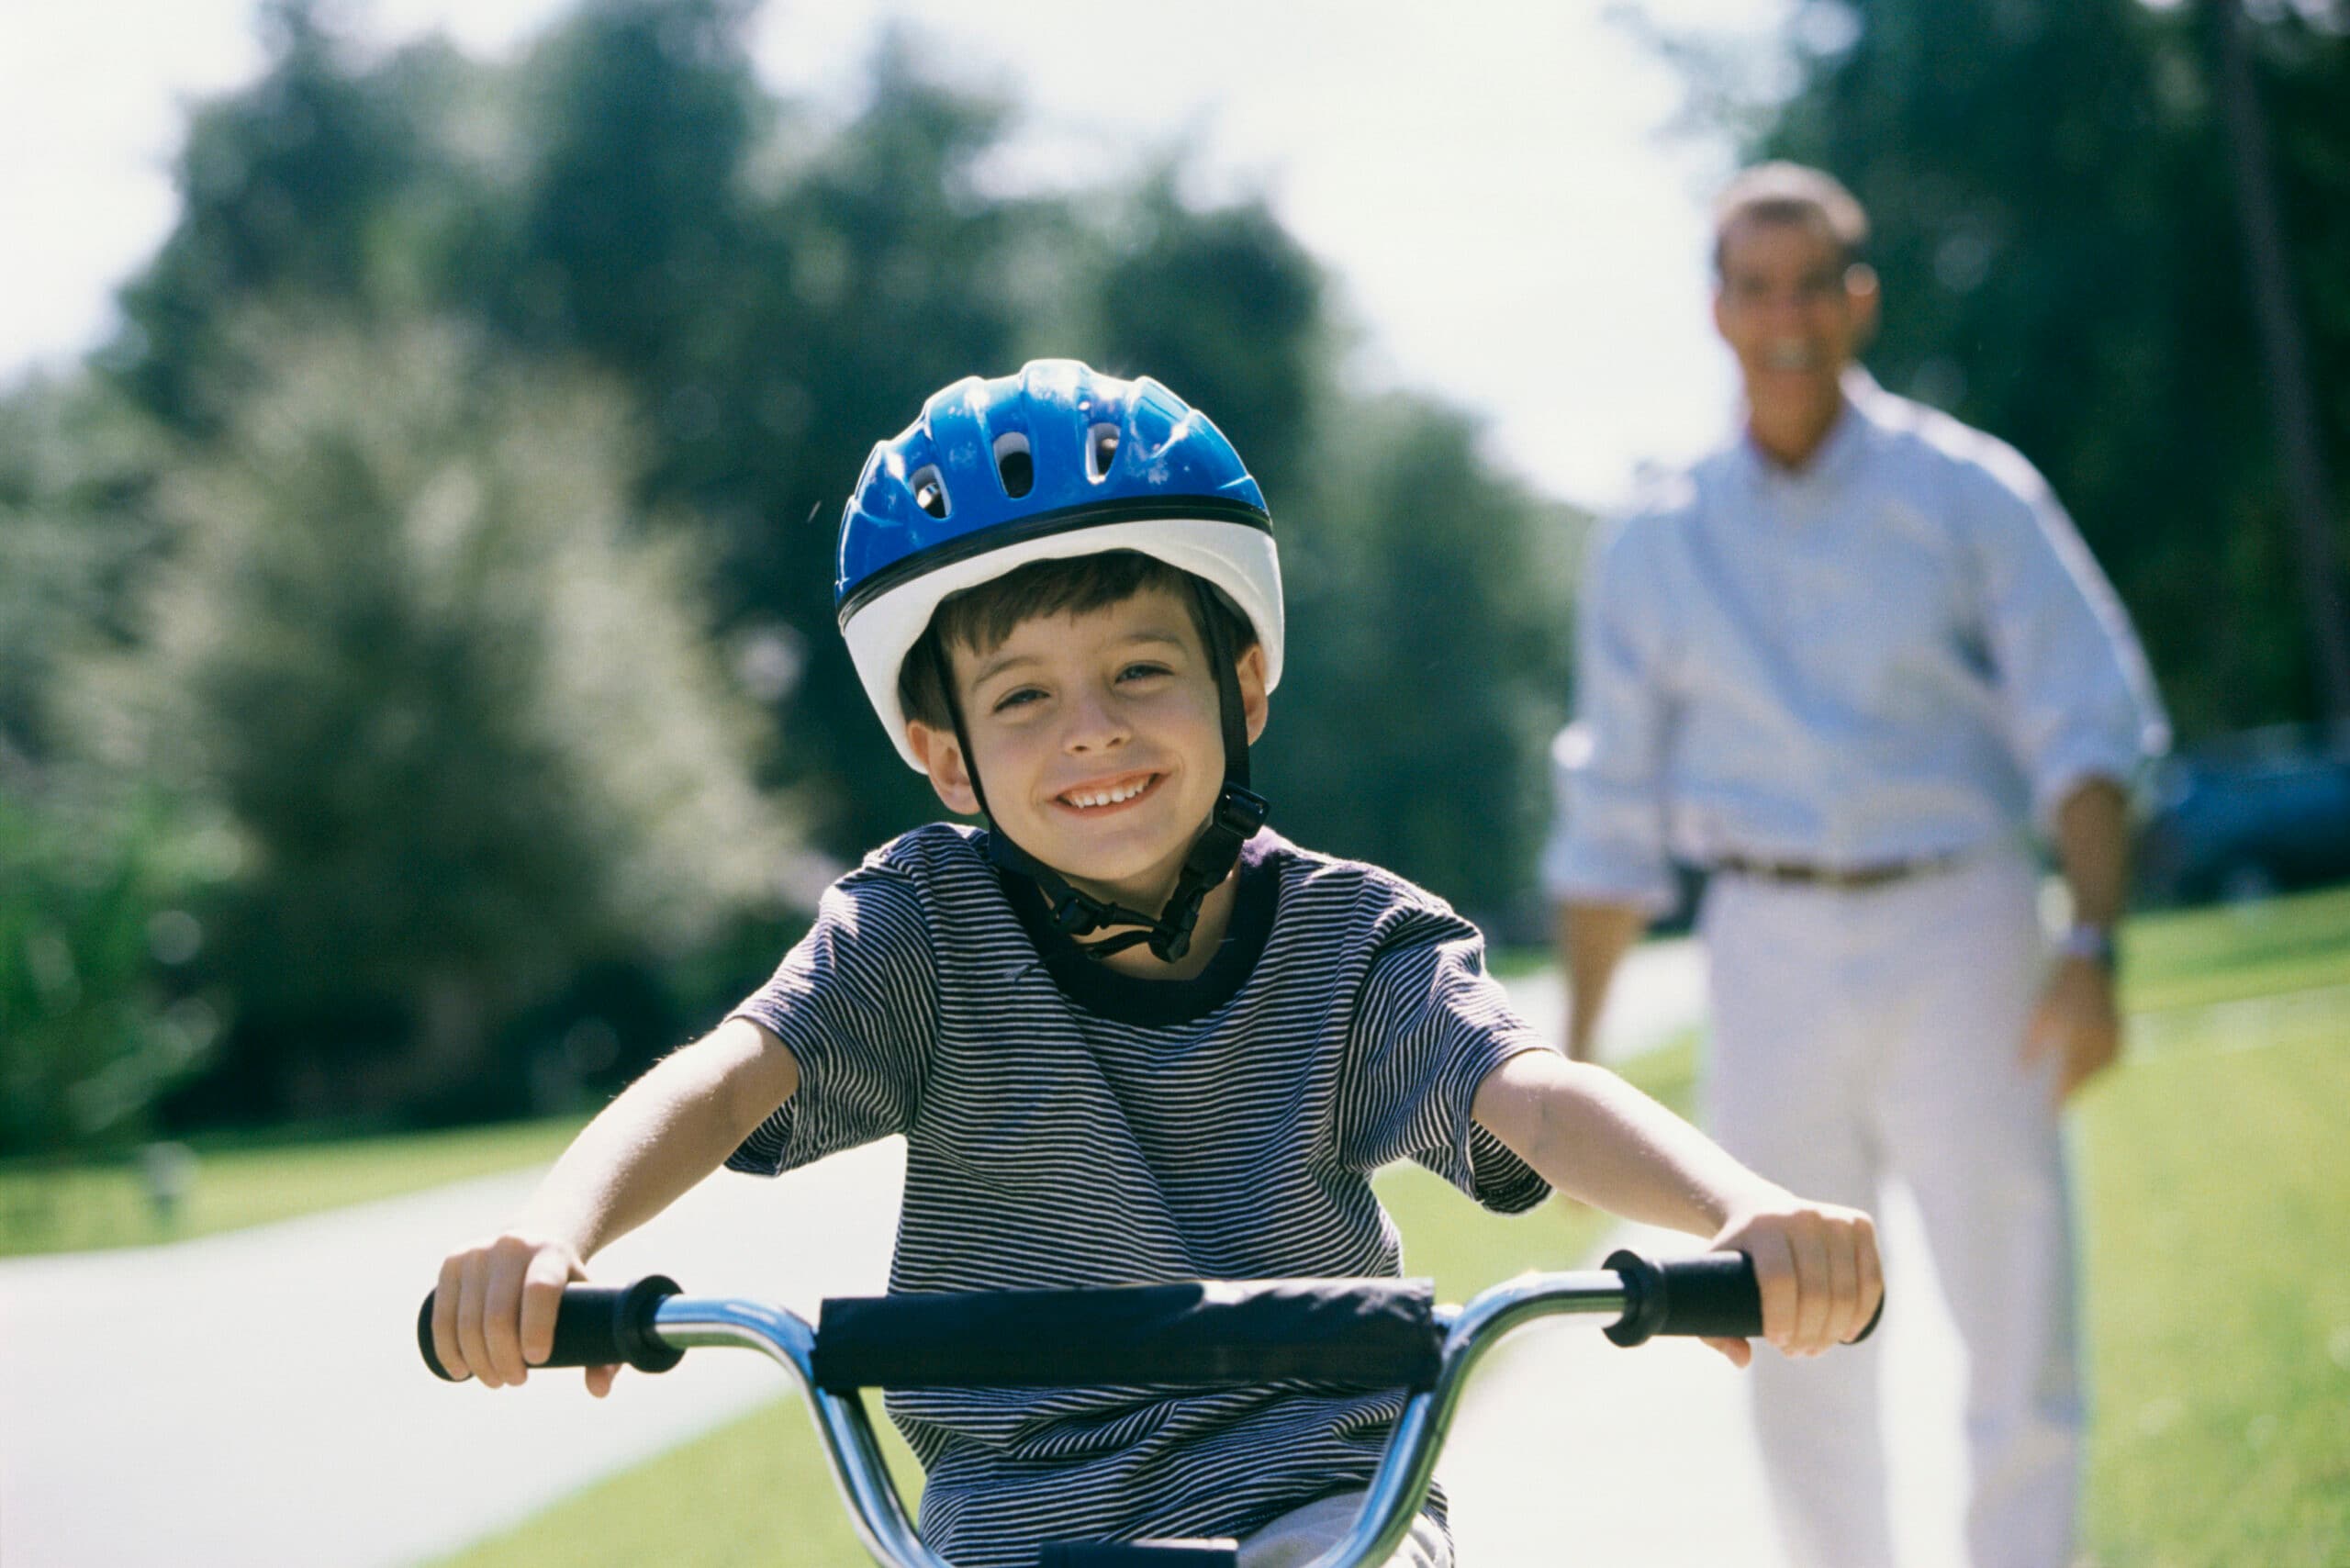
(1713, 1295)
(595, 1326)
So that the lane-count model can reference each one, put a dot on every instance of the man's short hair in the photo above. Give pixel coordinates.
(1791, 192)
(982, 618)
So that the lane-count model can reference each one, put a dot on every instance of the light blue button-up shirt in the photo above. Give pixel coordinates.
(1901, 650)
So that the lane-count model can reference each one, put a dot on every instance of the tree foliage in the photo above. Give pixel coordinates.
(462, 723)
(89, 1035)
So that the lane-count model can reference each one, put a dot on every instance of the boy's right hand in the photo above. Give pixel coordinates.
(493, 1312)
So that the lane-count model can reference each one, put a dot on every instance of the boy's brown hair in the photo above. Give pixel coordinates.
(981, 619)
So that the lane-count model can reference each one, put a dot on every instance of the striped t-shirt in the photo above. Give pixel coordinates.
(1067, 1125)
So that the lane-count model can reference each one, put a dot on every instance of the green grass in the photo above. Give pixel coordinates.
(247, 1181)
(753, 1493)
(2216, 1178)
(2206, 957)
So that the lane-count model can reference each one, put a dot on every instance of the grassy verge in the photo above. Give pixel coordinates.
(2217, 1183)
(2271, 950)
(248, 1182)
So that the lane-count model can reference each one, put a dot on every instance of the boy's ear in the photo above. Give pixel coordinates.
(1254, 704)
(942, 758)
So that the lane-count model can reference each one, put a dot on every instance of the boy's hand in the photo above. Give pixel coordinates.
(493, 1313)
(1817, 1264)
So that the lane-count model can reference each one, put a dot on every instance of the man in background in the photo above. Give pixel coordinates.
(1846, 663)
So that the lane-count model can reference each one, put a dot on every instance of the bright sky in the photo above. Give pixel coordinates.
(1490, 183)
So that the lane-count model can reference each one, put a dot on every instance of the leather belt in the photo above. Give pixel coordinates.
(1845, 879)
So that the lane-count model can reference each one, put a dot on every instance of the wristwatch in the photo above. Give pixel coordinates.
(2094, 943)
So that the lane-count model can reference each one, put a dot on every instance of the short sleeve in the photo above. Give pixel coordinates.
(1608, 843)
(855, 1000)
(1429, 1025)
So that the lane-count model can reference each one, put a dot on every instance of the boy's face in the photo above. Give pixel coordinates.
(1098, 741)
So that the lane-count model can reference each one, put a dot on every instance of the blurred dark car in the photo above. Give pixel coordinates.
(2252, 814)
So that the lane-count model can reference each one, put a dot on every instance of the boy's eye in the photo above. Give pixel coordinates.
(1141, 670)
(1018, 697)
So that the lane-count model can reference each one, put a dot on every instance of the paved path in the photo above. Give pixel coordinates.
(254, 1399)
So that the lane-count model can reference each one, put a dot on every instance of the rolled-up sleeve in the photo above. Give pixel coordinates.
(2079, 699)
(1607, 838)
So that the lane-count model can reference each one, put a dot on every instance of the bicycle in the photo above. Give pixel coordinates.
(1372, 1333)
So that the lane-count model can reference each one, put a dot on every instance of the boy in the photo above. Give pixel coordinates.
(1061, 595)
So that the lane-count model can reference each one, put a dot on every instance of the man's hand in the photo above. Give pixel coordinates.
(493, 1312)
(1817, 1267)
(2076, 1023)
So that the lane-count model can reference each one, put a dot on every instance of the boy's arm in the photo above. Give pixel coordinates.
(1595, 1137)
(494, 1310)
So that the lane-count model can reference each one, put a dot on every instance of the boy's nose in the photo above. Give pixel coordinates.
(1095, 723)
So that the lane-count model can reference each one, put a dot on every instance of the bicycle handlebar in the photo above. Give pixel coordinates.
(1150, 1334)
(595, 1326)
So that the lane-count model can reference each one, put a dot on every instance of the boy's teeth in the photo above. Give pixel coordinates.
(1106, 797)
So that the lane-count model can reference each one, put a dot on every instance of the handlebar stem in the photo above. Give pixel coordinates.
(850, 1449)
(1400, 1483)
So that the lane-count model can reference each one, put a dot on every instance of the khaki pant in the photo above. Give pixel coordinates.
(1300, 1535)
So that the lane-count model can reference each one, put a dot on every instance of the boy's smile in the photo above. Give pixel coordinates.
(1098, 740)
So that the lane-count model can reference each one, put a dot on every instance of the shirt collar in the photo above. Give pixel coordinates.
(1847, 438)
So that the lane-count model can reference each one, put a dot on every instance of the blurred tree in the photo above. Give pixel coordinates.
(88, 1040)
(308, 182)
(893, 275)
(466, 730)
(1428, 655)
(642, 117)
(75, 466)
(2056, 230)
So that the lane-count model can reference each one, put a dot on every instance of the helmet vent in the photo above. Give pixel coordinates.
(1100, 451)
(930, 490)
(1013, 464)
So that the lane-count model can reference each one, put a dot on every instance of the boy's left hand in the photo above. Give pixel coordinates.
(1817, 1264)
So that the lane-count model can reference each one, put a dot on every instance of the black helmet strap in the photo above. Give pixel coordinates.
(1239, 812)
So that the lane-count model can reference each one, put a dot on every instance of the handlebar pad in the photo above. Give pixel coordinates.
(1713, 1295)
(596, 1326)
(1370, 1333)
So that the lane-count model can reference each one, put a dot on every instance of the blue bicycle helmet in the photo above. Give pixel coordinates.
(1054, 462)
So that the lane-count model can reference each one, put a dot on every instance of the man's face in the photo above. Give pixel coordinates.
(1792, 311)
(1098, 741)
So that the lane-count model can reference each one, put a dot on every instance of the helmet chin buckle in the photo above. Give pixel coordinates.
(1239, 812)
